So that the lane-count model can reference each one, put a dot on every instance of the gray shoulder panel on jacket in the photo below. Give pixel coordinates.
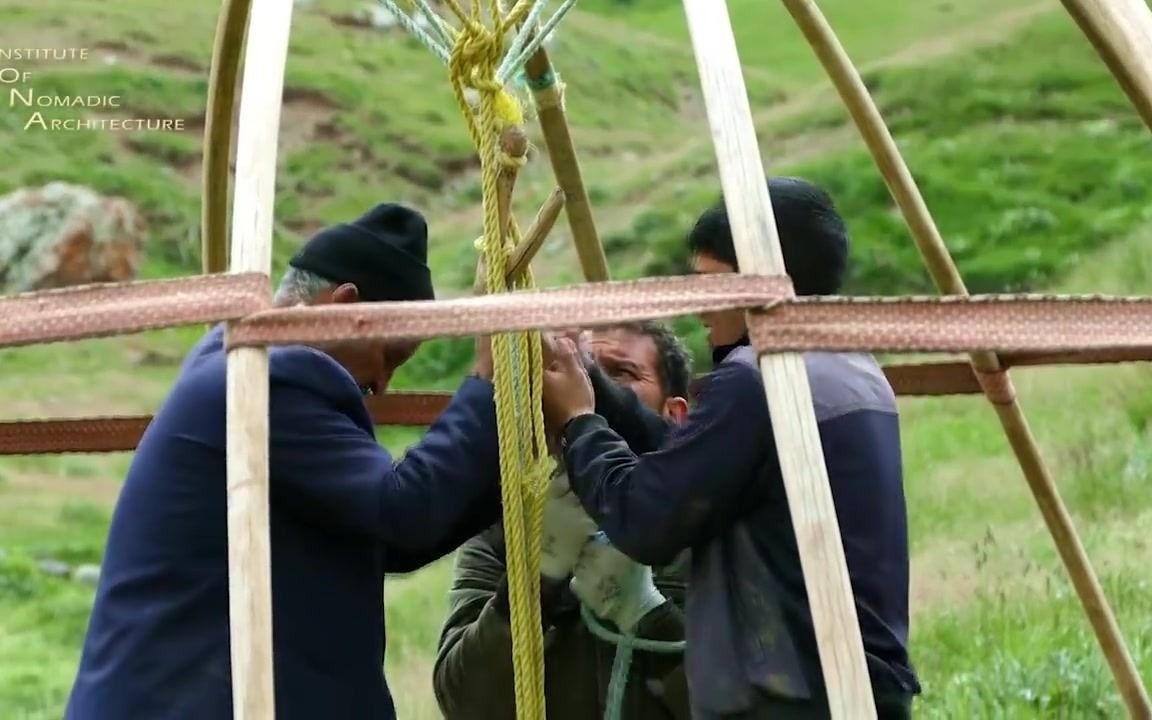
(841, 383)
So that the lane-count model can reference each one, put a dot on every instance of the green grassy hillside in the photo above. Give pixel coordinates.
(1027, 152)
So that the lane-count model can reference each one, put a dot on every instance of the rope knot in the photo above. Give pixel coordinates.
(511, 161)
(485, 82)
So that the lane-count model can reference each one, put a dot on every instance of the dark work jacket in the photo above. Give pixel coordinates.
(343, 513)
(715, 486)
(473, 676)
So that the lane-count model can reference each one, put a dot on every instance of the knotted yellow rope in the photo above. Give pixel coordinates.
(517, 357)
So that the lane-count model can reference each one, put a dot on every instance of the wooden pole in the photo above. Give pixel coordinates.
(523, 254)
(562, 153)
(218, 139)
(996, 383)
(249, 551)
(537, 233)
(1121, 32)
(789, 396)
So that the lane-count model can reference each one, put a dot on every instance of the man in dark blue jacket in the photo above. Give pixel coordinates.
(343, 511)
(713, 484)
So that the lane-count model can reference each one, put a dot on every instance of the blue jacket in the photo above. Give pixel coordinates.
(715, 487)
(343, 513)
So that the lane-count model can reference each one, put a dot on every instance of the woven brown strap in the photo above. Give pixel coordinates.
(999, 323)
(912, 379)
(924, 324)
(1026, 330)
(118, 434)
(1077, 357)
(81, 435)
(103, 310)
(996, 323)
(587, 305)
(932, 379)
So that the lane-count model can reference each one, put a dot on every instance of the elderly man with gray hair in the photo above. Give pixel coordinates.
(343, 511)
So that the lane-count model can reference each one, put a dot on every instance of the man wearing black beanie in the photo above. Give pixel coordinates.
(343, 511)
(713, 485)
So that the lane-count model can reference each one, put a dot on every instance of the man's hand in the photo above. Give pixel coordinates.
(613, 586)
(567, 529)
(580, 338)
(567, 389)
(483, 364)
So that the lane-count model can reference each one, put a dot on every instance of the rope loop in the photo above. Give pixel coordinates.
(625, 644)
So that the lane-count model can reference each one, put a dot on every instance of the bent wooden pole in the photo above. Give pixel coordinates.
(989, 370)
(249, 550)
(549, 96)
(1121, 32)
(218, 136)
(789, 396)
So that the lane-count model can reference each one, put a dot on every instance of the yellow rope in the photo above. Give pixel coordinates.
(517, 357)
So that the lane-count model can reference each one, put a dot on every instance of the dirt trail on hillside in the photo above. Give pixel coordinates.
(991, 30)
(782, 151)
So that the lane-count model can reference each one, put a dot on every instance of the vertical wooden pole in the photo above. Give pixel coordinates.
(789, 396)
(995, 381)
(218, 140)
(249, 551)
(1121, 32)
(566, 166)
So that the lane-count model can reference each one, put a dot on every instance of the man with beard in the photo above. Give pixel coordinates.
(473, 676)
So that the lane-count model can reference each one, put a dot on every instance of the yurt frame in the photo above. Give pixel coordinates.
(999, 332)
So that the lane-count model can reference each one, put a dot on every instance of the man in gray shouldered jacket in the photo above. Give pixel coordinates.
(713, 484)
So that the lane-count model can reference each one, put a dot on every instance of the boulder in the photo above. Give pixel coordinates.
(87, 574)
(60, 235)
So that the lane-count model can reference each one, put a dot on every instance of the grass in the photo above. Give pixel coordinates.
(1028, 154)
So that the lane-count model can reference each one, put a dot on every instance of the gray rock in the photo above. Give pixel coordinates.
(60, 235)
(87, 574)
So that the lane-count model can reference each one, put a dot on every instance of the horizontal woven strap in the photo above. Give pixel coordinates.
(107, 309)
(119, 434)
(911, 379)
(995, 323)
(587, 305)
(1077, 357)
(779, 322)
(79, 435)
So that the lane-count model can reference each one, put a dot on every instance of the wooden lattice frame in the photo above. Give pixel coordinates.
(1120, 30)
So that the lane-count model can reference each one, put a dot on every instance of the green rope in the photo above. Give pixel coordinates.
(517, 44)
(441, 37)
(418, 32)
(444, 32)
(625, 644)
(509, 65)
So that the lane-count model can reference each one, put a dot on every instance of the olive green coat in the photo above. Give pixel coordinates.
(473, 676)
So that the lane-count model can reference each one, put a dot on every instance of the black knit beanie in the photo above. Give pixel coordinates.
(384, 253)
